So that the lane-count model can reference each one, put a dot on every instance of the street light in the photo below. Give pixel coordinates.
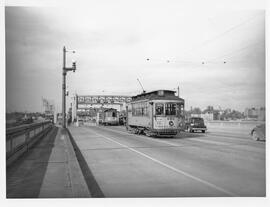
(65, 70)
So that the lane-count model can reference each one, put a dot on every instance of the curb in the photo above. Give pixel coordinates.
(89, 178)
(78, 183)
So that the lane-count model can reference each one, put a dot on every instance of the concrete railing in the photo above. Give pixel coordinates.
(20, 138)
(247, 124)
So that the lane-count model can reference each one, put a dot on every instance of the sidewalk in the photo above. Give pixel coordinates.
(49, 170)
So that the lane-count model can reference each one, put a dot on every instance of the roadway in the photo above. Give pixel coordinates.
(215, 164)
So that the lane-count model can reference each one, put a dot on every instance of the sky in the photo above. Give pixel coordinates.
(216, 57)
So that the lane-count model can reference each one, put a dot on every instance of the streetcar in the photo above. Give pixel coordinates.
(156, 113)
(108, 116)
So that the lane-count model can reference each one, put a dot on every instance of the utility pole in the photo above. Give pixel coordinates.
(64, 90)
(65, 70)
(178, 89)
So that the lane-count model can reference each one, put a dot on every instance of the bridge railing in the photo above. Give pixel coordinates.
(242, 127)
(247, 124)
(20, 138)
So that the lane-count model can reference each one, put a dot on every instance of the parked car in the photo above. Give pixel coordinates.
(195, 124)
(258, 132)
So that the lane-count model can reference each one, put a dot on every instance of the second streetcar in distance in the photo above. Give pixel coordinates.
(156, 113)
(108, 116)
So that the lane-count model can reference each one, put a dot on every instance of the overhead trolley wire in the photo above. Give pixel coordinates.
(237, 51)
(224, 33)
(203, 62)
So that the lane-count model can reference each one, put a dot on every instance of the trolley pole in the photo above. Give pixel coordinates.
(64, 73)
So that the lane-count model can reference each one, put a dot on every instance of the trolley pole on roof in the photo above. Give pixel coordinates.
(141, 85)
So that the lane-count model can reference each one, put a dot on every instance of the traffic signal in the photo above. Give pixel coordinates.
(74, 66)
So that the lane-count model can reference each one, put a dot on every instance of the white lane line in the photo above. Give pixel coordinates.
(172, 168)
(152, 139)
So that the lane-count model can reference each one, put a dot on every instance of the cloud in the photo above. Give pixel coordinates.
(112, 45)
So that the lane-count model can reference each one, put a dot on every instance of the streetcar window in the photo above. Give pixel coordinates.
(170, 109)
(113, 114)
(146, 109)
(159, 108)
(140, 109)
(180, 109)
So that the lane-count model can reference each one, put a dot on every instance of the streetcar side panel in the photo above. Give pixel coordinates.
(139, 114)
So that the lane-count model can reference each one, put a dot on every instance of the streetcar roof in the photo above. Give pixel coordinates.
(157, 95)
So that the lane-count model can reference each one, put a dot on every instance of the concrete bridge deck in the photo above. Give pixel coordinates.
(91, 161)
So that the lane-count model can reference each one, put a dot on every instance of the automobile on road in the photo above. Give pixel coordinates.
(195, 124)
(258, 133)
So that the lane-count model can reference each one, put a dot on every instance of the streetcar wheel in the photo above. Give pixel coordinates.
(147, 133)
(129, 129)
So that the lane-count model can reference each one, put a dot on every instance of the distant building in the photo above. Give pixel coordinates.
(255, 113)
(250, 113)
(228, 110)
(261, 114)
(209, 116)
(210, 108)
(48, 107)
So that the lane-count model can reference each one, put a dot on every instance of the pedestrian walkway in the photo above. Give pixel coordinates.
(49, 170)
